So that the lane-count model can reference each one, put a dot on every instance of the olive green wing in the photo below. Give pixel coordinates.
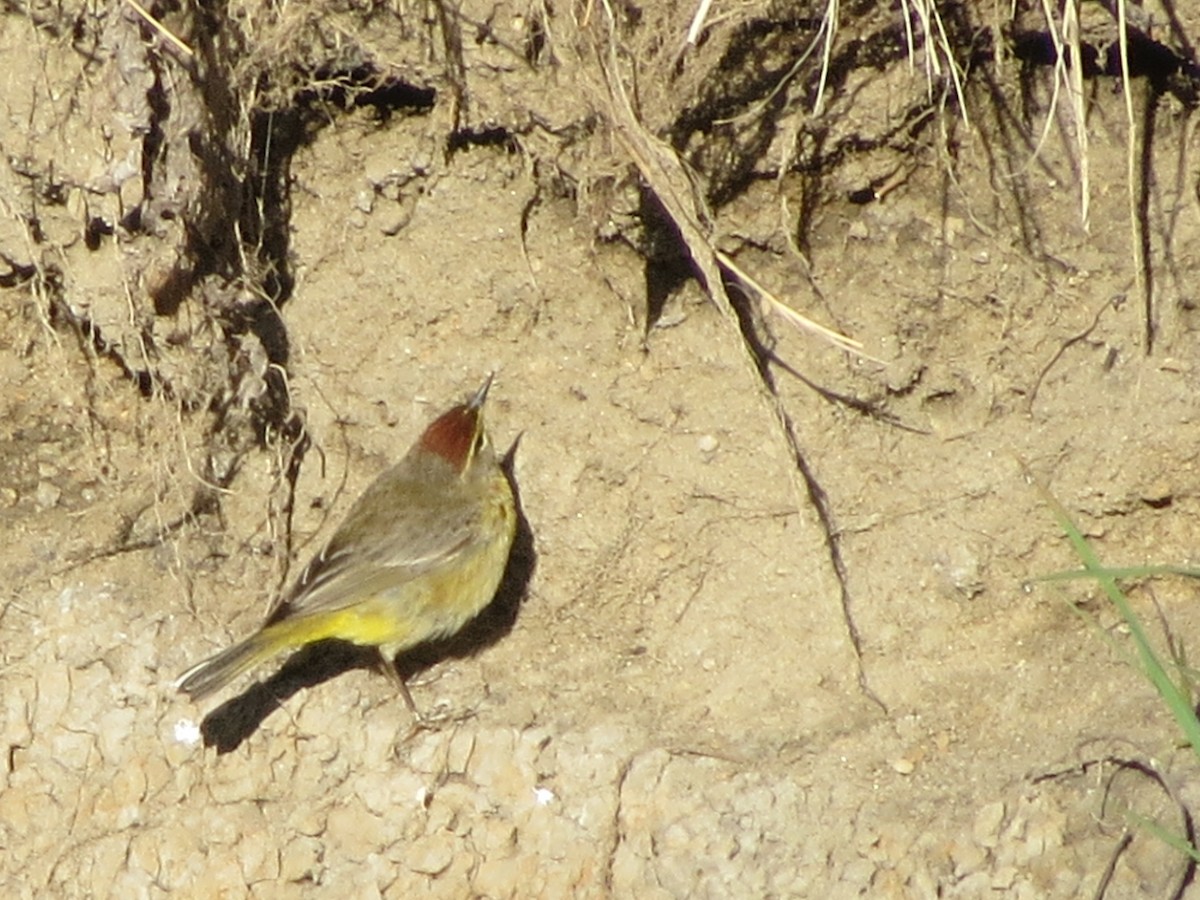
(379, 548)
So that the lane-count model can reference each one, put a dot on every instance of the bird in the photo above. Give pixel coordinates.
(419, 555)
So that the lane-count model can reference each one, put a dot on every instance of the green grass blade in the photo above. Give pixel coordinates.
(1121, 573)
(1175, 696)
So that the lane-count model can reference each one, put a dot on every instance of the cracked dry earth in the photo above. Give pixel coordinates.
(665, 701)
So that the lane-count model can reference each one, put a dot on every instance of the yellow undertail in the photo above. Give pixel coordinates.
(288, 634)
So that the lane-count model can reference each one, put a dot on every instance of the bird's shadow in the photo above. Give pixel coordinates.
(231, 723)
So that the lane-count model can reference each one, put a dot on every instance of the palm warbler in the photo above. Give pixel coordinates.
(419, 555)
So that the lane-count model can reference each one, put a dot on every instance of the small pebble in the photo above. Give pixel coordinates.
(47, 495)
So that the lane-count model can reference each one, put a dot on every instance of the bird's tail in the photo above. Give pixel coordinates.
(217, 671)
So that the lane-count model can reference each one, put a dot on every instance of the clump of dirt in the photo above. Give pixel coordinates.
(772, 628)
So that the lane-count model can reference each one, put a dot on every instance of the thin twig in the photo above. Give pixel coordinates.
(1139, 257)
(162, 29)
(801, 321)
(697, 26)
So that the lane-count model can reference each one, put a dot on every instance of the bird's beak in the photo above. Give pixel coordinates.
(476, 401)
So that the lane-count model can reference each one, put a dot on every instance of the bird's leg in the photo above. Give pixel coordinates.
(393, 674)
(422, 722)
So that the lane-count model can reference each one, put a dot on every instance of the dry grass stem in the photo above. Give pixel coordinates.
(162, 29)
(798, 319)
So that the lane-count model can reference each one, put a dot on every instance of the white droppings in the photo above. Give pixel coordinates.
(187, 732)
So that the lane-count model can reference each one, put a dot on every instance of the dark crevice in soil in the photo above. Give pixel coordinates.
(667, 262)
(93, 340)
(1167, 70)
(465, 138)
(364, 86)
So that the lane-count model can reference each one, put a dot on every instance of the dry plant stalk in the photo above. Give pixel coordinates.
(665, 174)
(671, 182)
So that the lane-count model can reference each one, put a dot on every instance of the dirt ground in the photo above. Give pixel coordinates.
(240, 273)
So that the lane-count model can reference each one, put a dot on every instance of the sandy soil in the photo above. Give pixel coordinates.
(207, 357)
